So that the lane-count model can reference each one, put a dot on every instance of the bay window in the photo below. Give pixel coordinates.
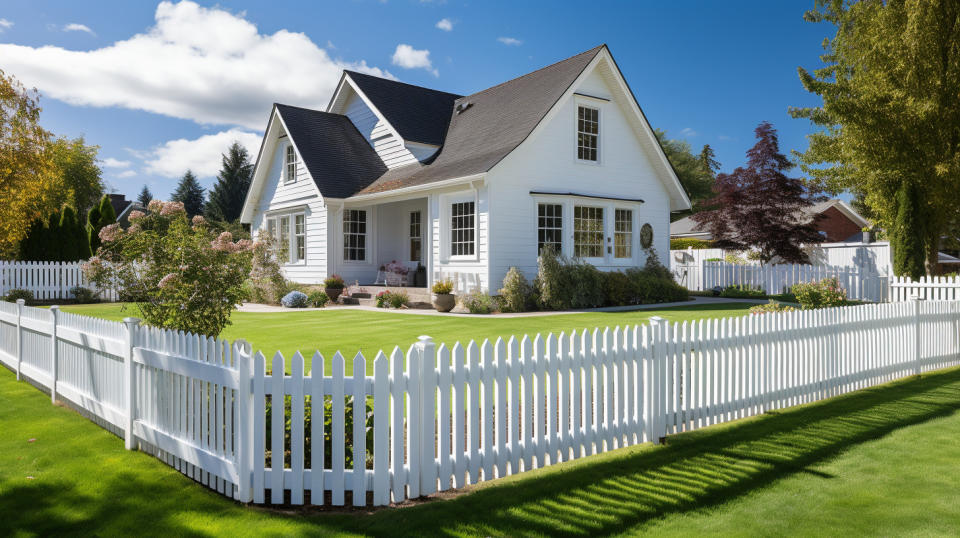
(289, 232)
(587, 232)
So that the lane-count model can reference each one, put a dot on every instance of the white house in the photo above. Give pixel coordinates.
(466, 185)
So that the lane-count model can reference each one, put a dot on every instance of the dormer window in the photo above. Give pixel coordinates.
(588, 133)
(291, 173)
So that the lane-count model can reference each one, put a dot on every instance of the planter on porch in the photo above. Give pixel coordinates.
(333, 286)
(444, 302)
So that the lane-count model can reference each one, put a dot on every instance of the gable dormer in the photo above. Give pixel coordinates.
(404, 124)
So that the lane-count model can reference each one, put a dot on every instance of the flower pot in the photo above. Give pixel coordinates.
(333, 293)
(444, 302)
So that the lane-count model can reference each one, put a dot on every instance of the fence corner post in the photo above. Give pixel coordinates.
(244, 452)
(131, 325)
(54, 362)
(917, 300)
(658, 370)
(428, 399)
(20, 303)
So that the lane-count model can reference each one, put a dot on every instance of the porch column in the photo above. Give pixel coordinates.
(428, 243)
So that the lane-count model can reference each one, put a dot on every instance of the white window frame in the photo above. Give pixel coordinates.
(274, 220)
(418, 236)
(560, 230)
(587, 103)
(604, 219)
(632, 233)
(367, 245)
(446, 214)
(288, 176)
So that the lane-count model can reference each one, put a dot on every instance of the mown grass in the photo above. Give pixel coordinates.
(881, 461)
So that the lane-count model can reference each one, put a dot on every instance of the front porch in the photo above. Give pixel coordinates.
(365, 295)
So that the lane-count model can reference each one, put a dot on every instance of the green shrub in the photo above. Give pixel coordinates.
(516, 295)
(743, 291)
(824, 294)
(398, 299)
(334, 282)
(318, 299)
(713, 260)
(551, 283)
(646, 288)
(327, 429)
(83, 295)
(13, 295)
(587, 285)
(685, 243)
(477, 302)
(383, 299)
(617, 289)
(772, 306)
(734, 258)
(443, 287)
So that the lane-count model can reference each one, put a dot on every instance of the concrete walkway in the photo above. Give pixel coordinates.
(694, 301)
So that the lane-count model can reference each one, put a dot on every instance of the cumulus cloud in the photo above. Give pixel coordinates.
(688, 131)
(510, 41)
(76, 27)
(201, 64)
(110, 162)
(201, 155)
(126, 173)
(4, 24)
(410, 58)
(445, 24)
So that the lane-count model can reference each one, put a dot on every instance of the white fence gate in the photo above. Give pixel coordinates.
(47, 280)
(937, 288)
(443, 416)
(773, 279)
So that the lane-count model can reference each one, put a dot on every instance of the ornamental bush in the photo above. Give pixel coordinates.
(399, 299)
(824, 294)
(383, 299)
(83, 295)
(318, 299)
(13, 295)
(772, 306)
(334, 282)
(684, 243)
(183, 276)
(477, 302)
(294, 299)
(443, 287)
(516, 295)
(742, 291)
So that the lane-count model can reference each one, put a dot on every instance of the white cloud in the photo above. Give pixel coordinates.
(724, 137)
(510, 41)
(201, 155)
(126, 174)
(110, 162)
(5, 24)
(688, 132)
(330, 45)
(202, 64)
(76, 27)
(410, 58)
(445, 24)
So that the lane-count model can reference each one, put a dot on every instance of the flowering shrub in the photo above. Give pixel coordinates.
(266, 284)
(824, 294)
(477, 302)
(294, 299)
(383, 299)
(181, 274)
(772, 306)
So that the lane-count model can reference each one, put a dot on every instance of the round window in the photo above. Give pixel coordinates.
(646, 235)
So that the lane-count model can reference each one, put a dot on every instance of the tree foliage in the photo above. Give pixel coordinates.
(98, 218)
(233, 181)
(75, 163)
(759, 207)
(891, 112)
(145, 196)
(694, 174)
(907, 233)
(190, 194)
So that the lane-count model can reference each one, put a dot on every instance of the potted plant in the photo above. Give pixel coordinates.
(443, 298)
(333, 287)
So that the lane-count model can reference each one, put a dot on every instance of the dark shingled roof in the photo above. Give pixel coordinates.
(418, 114)
(338, 157)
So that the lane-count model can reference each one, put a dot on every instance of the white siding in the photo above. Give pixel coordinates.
(547, 162)
(301, 195)
(388, 146)
(467, 274)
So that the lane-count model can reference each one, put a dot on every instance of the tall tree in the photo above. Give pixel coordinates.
(190, 193)
(908, 256)
(890, 112)
(93, 228)
(695, 178)
(105, 216)
(708, 161)
(233, 181)
(75, 163)
(145, 196)
(26, 179)
(74, 246)
(759, 207)
(53, 250)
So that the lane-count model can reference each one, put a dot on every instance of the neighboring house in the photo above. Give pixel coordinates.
(468, 186)
(122, 208)
(835, 220)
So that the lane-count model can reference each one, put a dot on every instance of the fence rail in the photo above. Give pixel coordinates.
(445, 417)
(47, 280)
(934, 288)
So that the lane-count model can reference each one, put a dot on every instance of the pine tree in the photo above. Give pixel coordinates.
(145, 196)
(30, 246)
(228, 194)
(69, 251)
(190, 193)
(53, 244)
(907, 237)
(708, 160)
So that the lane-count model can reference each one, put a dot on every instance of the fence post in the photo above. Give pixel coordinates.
(244, 419)
(131, 325)
(54, 314)
(19, 336)
(917, 300)
(658, 355)
(428, 399)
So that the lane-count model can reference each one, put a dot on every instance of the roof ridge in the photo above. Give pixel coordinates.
(309, 109)
(400, 82)
(597, 48)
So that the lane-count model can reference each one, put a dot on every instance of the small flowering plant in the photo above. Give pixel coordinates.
(180, 273)
(824, 294)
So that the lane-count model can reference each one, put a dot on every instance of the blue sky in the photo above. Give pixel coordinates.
(165, 86)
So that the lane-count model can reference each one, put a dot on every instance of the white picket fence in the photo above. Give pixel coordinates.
(47, 280)
(445, 416)
(933, 288)
(773, 279)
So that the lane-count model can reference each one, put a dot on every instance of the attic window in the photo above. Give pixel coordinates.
(291, 161)
(588, 133)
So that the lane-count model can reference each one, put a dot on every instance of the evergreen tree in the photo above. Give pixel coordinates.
(145, 196)
(190, 193)
(93, 220)
(31, 247)
(708, 160)
(695, 180)
(105, 215)
(70, 242)
(53, 244)
(228, 194)
(907, 237)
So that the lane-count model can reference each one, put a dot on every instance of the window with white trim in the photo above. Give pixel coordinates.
(291, 161)
(416, 240)
(623, 233)
(299, 238)
(549, 227)
(289, 234)
(587, 232)
(462, 229)
(284, 243)
(588, 133)
(354, 235)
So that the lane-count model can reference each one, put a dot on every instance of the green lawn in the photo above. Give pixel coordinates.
(350, 331)
(882, 461)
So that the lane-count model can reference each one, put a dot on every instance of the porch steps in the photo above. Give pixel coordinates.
(419, 297)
